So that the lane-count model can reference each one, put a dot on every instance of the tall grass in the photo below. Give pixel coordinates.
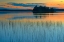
(31, 31)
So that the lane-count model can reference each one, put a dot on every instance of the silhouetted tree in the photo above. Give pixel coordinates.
(42, 9)
(51, 10)
(35, 9)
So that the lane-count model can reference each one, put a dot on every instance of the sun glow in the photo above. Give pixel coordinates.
(57, 3)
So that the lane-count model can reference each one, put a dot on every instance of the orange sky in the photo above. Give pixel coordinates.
(59, 4)
(56, 4)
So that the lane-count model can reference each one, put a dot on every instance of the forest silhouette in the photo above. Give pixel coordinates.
(43, 9)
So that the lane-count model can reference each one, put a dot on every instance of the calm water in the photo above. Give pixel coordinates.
(28, 27)
(21, 15)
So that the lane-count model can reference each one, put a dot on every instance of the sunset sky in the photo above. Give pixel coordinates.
(53, 3)
(31, 1)
(27, 1)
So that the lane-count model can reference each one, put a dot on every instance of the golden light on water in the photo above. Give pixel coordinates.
(56, 17)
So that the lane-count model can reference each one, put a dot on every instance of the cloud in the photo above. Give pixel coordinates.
(26, 4)
(19, 5)
(10, 6)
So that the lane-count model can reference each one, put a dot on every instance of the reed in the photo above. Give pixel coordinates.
(31, 31)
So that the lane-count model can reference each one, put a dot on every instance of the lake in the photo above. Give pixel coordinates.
(29, 27)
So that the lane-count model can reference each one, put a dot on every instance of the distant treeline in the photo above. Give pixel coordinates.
(14, 10)
(43, 9)
(36, 9)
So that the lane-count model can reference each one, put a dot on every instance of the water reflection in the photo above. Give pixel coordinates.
(29, 15)
(34, 16)
(40, 15)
